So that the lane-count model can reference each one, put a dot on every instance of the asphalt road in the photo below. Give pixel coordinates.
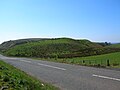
(68, 77)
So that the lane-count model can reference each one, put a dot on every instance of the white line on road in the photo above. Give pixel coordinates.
(105, 77)
(51, 66)
(26, 61)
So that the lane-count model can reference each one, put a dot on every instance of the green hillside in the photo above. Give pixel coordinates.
(55, 48)
(60, 47)
(8, 44)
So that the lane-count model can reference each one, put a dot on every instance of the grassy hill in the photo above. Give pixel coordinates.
(55, 48)
(8, 44)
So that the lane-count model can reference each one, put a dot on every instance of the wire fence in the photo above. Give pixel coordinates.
(97, 62)
(100, 62)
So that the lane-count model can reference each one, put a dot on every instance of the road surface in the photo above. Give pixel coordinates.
(68, 77)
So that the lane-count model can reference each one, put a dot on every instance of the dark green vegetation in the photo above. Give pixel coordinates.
(56, 48)
(14, 79)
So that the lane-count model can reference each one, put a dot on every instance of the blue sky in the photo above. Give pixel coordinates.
(96, 20)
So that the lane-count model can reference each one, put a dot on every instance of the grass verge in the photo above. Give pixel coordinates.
(14, 79)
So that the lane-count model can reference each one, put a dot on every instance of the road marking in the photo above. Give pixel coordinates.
(105, 77)
(26, 61)
(51, 66)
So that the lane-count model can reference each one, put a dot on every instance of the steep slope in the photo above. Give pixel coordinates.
(8, 44)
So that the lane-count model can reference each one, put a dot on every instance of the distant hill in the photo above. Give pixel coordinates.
(104, 43)
(53, 48)
(115, 45)
(8, 44)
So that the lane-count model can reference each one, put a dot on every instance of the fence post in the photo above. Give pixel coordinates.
(108, 62)
(101, 62)
(83, 61)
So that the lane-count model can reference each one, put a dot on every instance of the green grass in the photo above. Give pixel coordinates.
(14, 79)
(97, 60)
(102, 60)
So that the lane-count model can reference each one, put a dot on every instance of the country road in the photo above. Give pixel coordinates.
(68, 77)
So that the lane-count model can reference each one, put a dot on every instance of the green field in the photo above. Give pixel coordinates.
(14, 79)
(97, 60)
(113, 59)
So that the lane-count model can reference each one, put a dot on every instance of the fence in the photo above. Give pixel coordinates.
(100, 62)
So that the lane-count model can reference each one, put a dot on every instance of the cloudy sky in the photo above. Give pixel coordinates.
(96, 20)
